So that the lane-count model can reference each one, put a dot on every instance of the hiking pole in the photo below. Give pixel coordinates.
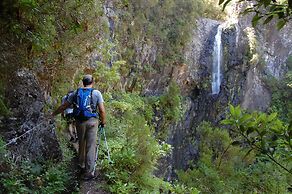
(97, 148)
(101, 132)
(108, 153)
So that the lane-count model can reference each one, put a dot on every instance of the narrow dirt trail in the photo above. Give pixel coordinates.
(93, 186)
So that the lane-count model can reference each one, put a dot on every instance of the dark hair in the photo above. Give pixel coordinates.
(87, 80)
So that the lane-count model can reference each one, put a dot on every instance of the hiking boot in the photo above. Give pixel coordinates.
(81, 166)
(76, 140)
(72, 139)
(88, 176)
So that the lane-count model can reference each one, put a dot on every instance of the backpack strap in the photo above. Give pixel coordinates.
(67, 95)
(75, 99)
(91, 101)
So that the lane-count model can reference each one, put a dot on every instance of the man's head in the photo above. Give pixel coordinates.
(87, 80)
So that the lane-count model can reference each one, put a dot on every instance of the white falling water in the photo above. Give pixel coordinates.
(237, 29)
(217, 61)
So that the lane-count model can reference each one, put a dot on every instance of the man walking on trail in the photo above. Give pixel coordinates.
(69, 117)
(88, 105)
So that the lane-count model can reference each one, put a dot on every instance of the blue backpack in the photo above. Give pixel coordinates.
(83, 104)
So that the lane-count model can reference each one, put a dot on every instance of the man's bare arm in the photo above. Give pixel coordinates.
(61, 108)
(102, 113)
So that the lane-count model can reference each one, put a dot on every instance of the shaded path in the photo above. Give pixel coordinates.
(94, 186)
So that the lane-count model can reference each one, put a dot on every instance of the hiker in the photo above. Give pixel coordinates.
(88, 107)
(68, 115)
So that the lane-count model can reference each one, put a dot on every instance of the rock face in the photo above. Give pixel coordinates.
(38, 139)
(256, 96)
(249, 56)
(271, 49)
(202, 104)
(199, 52)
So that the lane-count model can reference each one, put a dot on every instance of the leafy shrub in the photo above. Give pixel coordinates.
(134, 150)
(217, 162)
(108, 78)
(225, 167)
(264, 133)
(168, 110)
(181, 189)
(170, 103)
(34, 176)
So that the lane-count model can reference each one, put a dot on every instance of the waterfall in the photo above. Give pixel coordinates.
(217, 61)
(237, 29)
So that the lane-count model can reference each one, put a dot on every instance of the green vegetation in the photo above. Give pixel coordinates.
(282, 93)
(130, 131)
(167, 109)
(56, 38)
(51, 37)
(41, 22)
(265, 134)
(134, 149)
(165, 24)
(229, 166)
(35, 176)
(266, 10)
(162, 28)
